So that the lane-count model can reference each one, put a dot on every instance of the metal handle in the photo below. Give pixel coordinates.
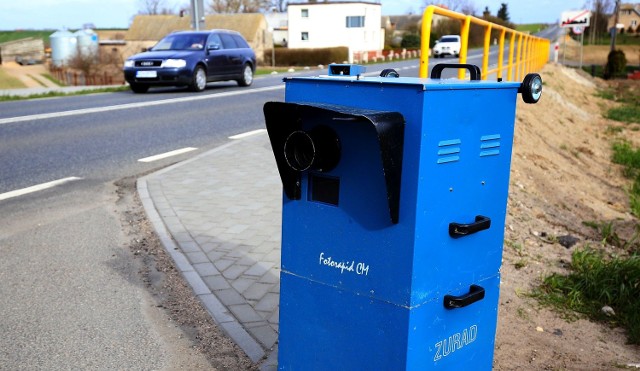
(474, 71)
(457, 230)
(476, 293)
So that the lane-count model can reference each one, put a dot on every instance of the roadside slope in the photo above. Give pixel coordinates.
(561, 176)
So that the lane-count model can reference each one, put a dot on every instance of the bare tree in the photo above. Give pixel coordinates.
(600, 12)
(280, 5)
(462, 6)
(154, 7)
(239, 6)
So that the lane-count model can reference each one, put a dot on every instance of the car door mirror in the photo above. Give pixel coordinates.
(213, 47)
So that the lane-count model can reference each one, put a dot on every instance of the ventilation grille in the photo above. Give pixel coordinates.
(490, 145)
(449, 151)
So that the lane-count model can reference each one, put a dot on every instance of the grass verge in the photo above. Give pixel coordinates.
(51, 94)
(9, 82)
(595, 282)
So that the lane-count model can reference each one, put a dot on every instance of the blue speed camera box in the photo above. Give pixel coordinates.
(395, 193)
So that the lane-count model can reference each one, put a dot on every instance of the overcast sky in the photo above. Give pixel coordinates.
(72, 14)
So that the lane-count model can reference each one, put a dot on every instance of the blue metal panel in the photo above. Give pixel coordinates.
(358, 291)
(325, 328)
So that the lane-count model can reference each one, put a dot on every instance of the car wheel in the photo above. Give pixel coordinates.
(199, 80)
(139, 88)
(247, 76)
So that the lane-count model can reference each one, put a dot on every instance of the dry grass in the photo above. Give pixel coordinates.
(9, 82)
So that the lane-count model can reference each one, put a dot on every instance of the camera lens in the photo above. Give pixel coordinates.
(318, 149)
(299, 151)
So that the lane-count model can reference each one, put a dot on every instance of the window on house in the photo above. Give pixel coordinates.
(304, 13)
(305, 36)
(355, 21)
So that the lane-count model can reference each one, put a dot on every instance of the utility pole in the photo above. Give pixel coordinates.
(197, 14)
(614, 29)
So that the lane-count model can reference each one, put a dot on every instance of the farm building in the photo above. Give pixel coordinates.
(29, 50)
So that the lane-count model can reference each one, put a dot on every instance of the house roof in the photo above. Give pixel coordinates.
(325, 3)
(155, 27)
(403, 22)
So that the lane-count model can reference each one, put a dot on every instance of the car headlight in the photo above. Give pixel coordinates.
(129, 63)
(174, 63)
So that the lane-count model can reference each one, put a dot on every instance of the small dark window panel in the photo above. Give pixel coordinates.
(324, 189)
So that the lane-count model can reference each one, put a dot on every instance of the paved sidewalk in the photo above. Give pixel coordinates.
(219, 216)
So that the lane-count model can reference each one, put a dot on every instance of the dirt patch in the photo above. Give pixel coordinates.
(561, 176)
(30, 76)
(171, 293)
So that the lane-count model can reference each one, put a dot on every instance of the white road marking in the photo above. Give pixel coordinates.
(36, 188)
(248, 134)
(167, 154)
(117, 107)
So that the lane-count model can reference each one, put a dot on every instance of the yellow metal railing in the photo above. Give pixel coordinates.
(527, 53)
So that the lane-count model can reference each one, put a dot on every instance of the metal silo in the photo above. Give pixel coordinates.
(63, 47)
(87, 41)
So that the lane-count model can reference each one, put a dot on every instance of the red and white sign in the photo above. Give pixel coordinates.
(575, 18)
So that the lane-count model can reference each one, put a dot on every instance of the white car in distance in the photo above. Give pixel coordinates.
(447, 45)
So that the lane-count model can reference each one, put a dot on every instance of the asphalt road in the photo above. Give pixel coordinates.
(70, 294)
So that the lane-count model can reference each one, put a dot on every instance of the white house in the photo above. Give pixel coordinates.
(354, 24)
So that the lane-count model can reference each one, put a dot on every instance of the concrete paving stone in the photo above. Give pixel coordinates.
(216, 282)
(259, 269)
(257, 291)
(268, 303)
(275, 317)
(234, 271)
(239, 251)
(272, 276)
(276, 237)
(214, 231)
(189, 246)
(214, 255)
(226, 246)
(256, 240)
(209, 247)
(197, 284)
(248, 260)
(197, 257)
(230, 237)
(223, 264)
(241, 284)
(273, 256)
(238, 228)
(180, 234)
(271, 363)
(265, 335)
(241, 238)
(216, 309)
(245, 313)
(206, 269)
(229, 297)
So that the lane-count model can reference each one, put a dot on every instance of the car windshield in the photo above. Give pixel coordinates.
(181, 42)
(449, 40)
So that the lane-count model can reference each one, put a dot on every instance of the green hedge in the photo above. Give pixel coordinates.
(307, 57)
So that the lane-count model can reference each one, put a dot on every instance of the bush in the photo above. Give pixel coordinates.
(410, 41)
(616, 64)
(307, 57)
